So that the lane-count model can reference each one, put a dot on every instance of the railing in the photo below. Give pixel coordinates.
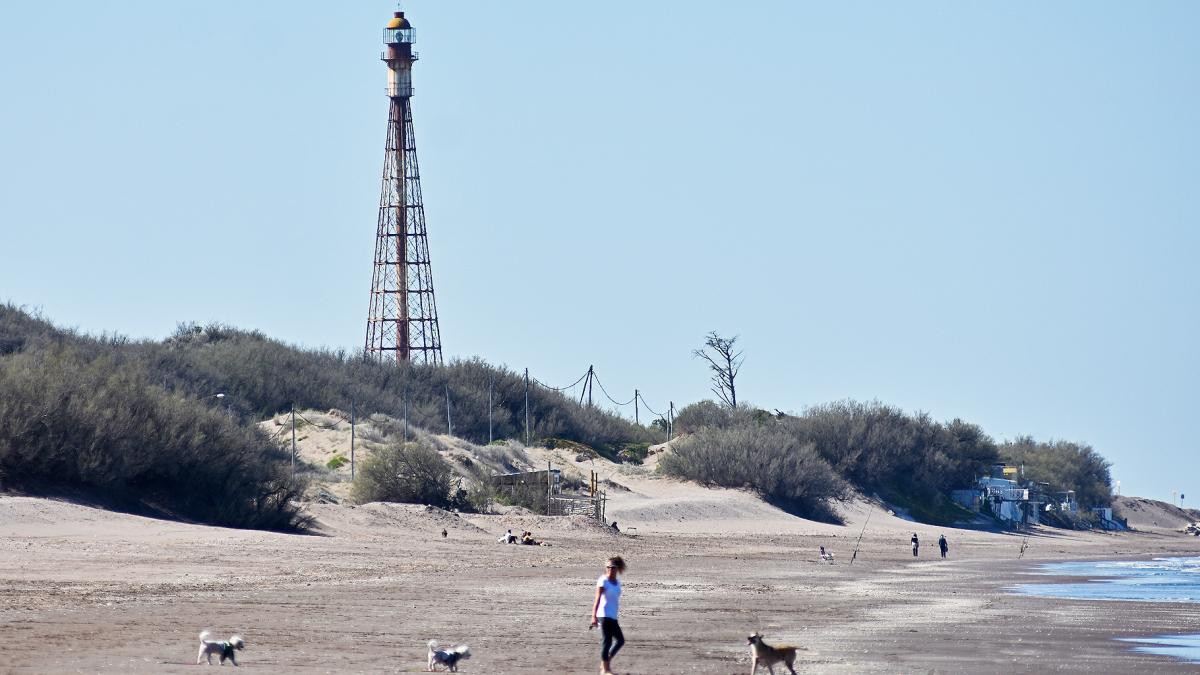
(399, 36)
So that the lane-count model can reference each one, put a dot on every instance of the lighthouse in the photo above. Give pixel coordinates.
(402, 325)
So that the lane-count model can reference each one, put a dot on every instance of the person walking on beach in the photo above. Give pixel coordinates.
(943, 545)
(604, 612)
(915, 544)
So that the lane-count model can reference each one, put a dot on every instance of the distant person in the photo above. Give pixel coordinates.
(827, 557)
(615, 528)
(444, 533)
(508, 538)
(943, 545)
(604, 612)
(915, 544)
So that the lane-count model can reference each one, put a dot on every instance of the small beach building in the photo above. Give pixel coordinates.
(1001, 495)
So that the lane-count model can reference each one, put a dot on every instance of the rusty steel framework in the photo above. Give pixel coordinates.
(402, 325)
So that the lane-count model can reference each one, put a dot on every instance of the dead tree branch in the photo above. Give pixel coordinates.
(724, 361)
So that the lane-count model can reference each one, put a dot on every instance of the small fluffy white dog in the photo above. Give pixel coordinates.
(224, 649)
(448, 658)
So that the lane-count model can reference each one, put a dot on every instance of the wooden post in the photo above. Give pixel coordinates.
(351, 441)
(293, 441)
(670, 421)
(548, 486)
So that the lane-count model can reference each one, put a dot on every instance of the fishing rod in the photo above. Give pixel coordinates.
(860, 536)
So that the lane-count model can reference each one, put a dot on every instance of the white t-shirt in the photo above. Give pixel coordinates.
(610, 599)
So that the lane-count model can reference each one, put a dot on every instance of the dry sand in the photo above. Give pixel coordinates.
(85, 590)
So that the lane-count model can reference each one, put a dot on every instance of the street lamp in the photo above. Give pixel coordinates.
(220, 396)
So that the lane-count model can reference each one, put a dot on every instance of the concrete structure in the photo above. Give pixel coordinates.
(1003, 497)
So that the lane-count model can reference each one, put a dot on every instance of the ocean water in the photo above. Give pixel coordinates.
(1158, 580)
(1182, 647)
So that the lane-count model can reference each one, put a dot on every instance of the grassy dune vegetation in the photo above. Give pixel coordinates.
(803, 461)
(139, 421)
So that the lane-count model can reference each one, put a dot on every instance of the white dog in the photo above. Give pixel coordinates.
(448, 658)
(224, 649)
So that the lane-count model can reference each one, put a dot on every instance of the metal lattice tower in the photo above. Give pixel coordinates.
(403, 322)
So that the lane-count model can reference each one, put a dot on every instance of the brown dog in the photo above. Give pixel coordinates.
(765, 654)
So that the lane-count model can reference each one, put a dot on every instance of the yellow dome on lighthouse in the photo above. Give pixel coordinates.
(398, 21)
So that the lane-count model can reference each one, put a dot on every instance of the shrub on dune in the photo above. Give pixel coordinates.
(763, 458)
(95, 423)
(409, 473)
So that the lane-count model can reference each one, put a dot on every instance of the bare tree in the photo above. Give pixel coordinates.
(724, 361)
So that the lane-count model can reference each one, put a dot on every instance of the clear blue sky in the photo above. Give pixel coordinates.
(981, 210)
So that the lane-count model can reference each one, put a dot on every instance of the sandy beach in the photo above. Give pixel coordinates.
(87, 590)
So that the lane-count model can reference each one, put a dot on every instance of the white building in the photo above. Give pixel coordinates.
(1002, 497)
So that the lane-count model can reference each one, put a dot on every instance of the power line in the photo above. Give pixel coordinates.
(570, 386)
(609, 397)
(648, 405)
(277, 432)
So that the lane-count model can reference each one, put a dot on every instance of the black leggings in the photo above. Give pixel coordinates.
(611, 630)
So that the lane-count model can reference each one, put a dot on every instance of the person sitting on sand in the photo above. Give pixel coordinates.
(827, 557)
(528, 540)
(615, 528)
(508, 538)
(915, 544)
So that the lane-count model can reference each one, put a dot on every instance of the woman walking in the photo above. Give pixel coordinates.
(604, 612)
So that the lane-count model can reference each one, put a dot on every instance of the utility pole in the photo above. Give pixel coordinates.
(586, 389)
(526, 407)
(352, 441)
(635, 407)
(491, 385)
(293, 441)
(670, 421)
